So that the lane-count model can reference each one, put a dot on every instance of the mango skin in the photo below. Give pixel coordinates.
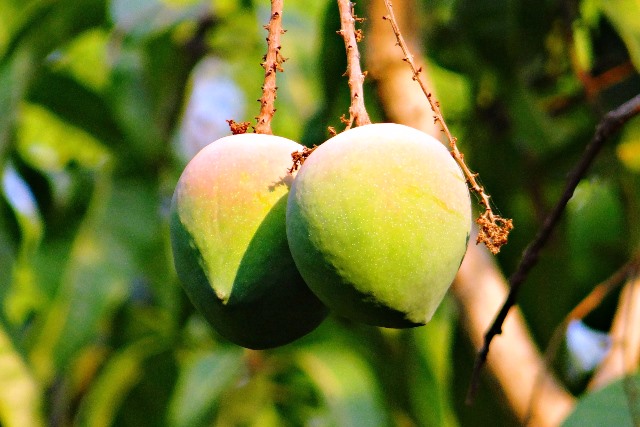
(229, 242)
(378, 221)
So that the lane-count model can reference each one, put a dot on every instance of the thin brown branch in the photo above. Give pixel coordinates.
(357, 112)
(494, 230)
(272, 63)
(515, 362)
(607, 127)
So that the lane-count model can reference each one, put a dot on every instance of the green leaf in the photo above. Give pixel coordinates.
(204, 376)
(15, 75)
(347, 383)
(628, 150)
(131, 103)
(95, 283)
(77, 106)
(85, 58)
(24, 295)
(20, 395)
(624, 14)
(109, 390)
(614, 405)
(429, 373)
(50, 144)
(595, 220)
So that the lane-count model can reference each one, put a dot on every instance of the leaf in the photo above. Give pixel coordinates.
(204, 376)
(131, 103)
(429, 374)
(347, 383)
(614, 405)
(628, 150)
(85, 58)
(624, 14)
(95, 283)
(24, 295)
(49, 144)
(20, 395)
(15, 75)
(109, 390)
(77, 106)
(595, 220)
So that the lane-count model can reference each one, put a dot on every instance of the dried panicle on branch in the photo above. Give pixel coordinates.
(494, 230)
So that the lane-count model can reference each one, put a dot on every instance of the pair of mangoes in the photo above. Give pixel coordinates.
(374, 226)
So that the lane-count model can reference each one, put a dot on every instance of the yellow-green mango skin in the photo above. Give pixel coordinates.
(378, 221)
(229, 242)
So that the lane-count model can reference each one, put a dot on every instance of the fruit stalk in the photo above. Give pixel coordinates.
(272, 63)
(494, 230)
(357, 112)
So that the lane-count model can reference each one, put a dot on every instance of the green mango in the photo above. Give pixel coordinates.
(378, 221)
(229, 242)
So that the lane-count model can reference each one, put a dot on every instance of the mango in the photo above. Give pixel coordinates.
(378, 222)
(229, 243)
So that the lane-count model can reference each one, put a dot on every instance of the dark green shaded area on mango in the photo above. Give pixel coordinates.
(269, 305)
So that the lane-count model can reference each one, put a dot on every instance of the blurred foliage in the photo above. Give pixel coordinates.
(100, 108)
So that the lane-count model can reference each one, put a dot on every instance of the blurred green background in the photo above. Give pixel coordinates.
(103, 102)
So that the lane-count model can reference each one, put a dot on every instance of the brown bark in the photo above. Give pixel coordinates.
(357, 112)
(272, 64)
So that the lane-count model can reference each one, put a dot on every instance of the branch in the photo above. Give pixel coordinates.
(608, 126)
(494, 230)
(515, 362)
(272, 63)
(357, 112)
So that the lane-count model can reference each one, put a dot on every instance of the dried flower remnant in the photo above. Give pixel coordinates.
(238, 128)
(299, 157)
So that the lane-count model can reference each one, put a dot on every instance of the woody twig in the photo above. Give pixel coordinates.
(272, 63)
(357, 112)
